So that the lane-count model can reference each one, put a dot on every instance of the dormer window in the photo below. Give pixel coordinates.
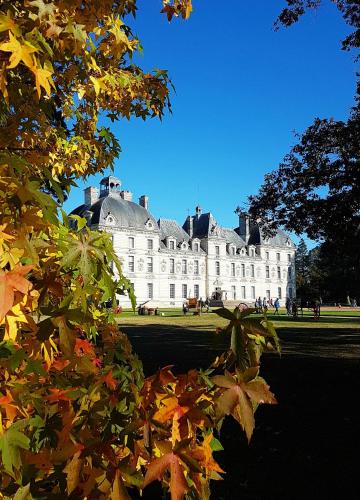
(243, 251)
(149, 224)
(110, 219)
(184, 246)
(196, 247)
(171, 244)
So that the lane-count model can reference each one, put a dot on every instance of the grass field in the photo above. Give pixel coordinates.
(306, 447)
(207, 321)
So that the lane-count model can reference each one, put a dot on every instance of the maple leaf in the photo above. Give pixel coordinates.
(11, 442)
(10, 409)
(118, 490)
(172, 463)
(109, 380)
(43, 77)
(19, 52)
(7, 23)
(203, 454)
(58, 395)
(73, 470)
(44, 9)
(237, 399)
(11, 281)
(84, 347)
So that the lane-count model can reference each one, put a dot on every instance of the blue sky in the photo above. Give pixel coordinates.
(242, 89)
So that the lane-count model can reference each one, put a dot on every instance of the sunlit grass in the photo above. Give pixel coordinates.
(210, 321)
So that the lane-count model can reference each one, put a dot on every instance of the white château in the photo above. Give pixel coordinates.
(169, 263)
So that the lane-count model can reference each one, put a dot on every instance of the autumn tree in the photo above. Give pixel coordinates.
(77, 417)
(316, 188)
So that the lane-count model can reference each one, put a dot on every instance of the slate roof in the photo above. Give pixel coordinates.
(279, 240)
(169, 227)
(127, 213)
(231, 236)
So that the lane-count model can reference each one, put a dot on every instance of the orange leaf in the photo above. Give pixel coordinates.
(170, 462)
(84, 347)
(58, 395)
(11, 281)
(110, 381)
(10, 410)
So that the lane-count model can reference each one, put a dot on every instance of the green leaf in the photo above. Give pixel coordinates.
(35, 366)
(215, 445)
(81, 221)
(15, 360)
(225, 313)
(23, 493)
(11, 442)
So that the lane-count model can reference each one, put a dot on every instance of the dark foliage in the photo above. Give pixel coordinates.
(350, 10)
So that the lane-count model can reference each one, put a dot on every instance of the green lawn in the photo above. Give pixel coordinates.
(174, 317)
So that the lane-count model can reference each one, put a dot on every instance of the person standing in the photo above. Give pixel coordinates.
(277, 306)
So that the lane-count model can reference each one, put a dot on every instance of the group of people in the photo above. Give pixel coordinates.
(262, 305)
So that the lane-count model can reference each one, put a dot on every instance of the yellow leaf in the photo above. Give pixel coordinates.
(19, 52)
(43, 78)
(73, 470)
(98, 84)
(6, 23)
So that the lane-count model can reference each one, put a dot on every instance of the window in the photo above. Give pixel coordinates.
(279, 272)
(172, 266)
(150, 288)
(217, 268)
(184, 291)
(243, 292)
(184, 266)
(253, 292)
(233, 291)
(289, 273)
(131, 242)
(172, 290)
(289, 257)
(232, 269)
(196, 291)
(252, 268)
(233, 250)
(150, 265)
(290, 293)
(196, 267)
(278, 257)
(217, 250)
(268, 294)
(196, 247)
(131, 263)
(267, 255)
(267, 272)
(243, 270)
(172, 245)
(279, 292)
(252, 252)
(150, 244)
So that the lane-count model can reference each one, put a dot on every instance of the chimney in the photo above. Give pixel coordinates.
(126, 195)
(198, 211)
(91, 195)
(190, 226)
(244, 224)
(144, 201)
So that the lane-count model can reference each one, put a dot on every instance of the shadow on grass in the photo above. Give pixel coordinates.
(196, 347)
(304, 447)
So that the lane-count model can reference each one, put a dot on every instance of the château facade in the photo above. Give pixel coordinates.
(169, 263)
